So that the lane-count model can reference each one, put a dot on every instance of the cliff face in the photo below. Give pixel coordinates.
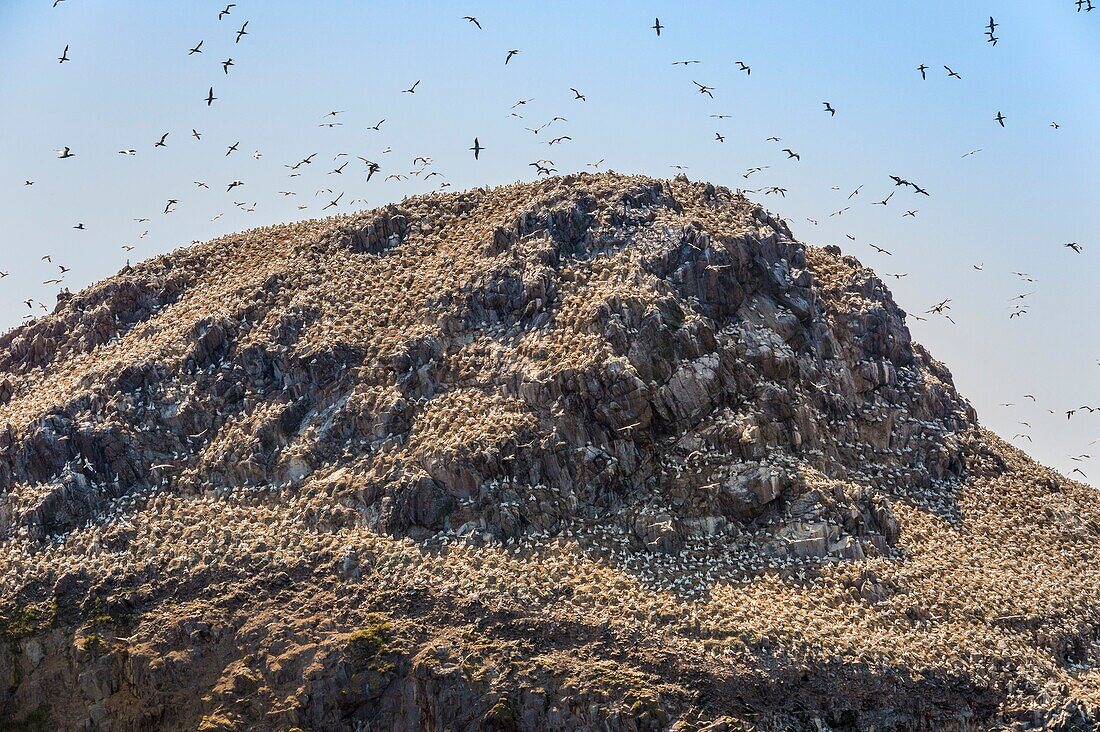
(598, 452)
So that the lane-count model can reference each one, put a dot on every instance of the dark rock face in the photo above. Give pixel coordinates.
(576, 454)
(714, 364)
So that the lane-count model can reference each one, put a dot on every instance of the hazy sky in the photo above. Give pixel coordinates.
(1008, 208)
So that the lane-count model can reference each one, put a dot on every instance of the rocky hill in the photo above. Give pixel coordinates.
(599, 452)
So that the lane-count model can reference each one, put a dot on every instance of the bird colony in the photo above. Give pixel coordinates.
(597, 452)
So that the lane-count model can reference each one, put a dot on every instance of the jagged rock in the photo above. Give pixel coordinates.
(609, 452)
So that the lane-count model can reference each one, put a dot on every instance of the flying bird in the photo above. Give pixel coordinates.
(792, 154)
(473, 20)
(704, 89)
(64, 55)
(242, 32)
(210, 97)
(226, 11)
(922, 69)
(226, 64)
(511, 53)
(233, 185)
(162, 139)
(196, 49)
(412, 89)
(1074, 246)
(171, 202)
(372, 168)
(579, 96)
(829, 109)
(1000, 119)
(657, 25)
(477, 148)
(743, 67)
(951, 73)
(232, 148)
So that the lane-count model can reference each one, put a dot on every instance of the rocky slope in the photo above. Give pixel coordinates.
(598, 452)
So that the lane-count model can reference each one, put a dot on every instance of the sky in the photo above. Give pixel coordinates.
(1008, 208)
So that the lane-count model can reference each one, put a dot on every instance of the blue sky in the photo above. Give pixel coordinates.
(1008, 208)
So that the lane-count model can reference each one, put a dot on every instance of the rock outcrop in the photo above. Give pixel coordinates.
(597, 452)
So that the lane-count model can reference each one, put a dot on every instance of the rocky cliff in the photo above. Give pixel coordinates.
(598, 452)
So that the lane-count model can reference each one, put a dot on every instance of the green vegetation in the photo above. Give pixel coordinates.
(501, 717)
(95, 644)
(36, 721)
(25, 621)
(648, 715)
(368, 646)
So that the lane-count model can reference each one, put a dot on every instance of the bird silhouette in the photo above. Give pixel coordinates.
(704, 89)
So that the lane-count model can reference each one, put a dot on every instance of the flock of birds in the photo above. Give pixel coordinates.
(422, 166)
(591, 573)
